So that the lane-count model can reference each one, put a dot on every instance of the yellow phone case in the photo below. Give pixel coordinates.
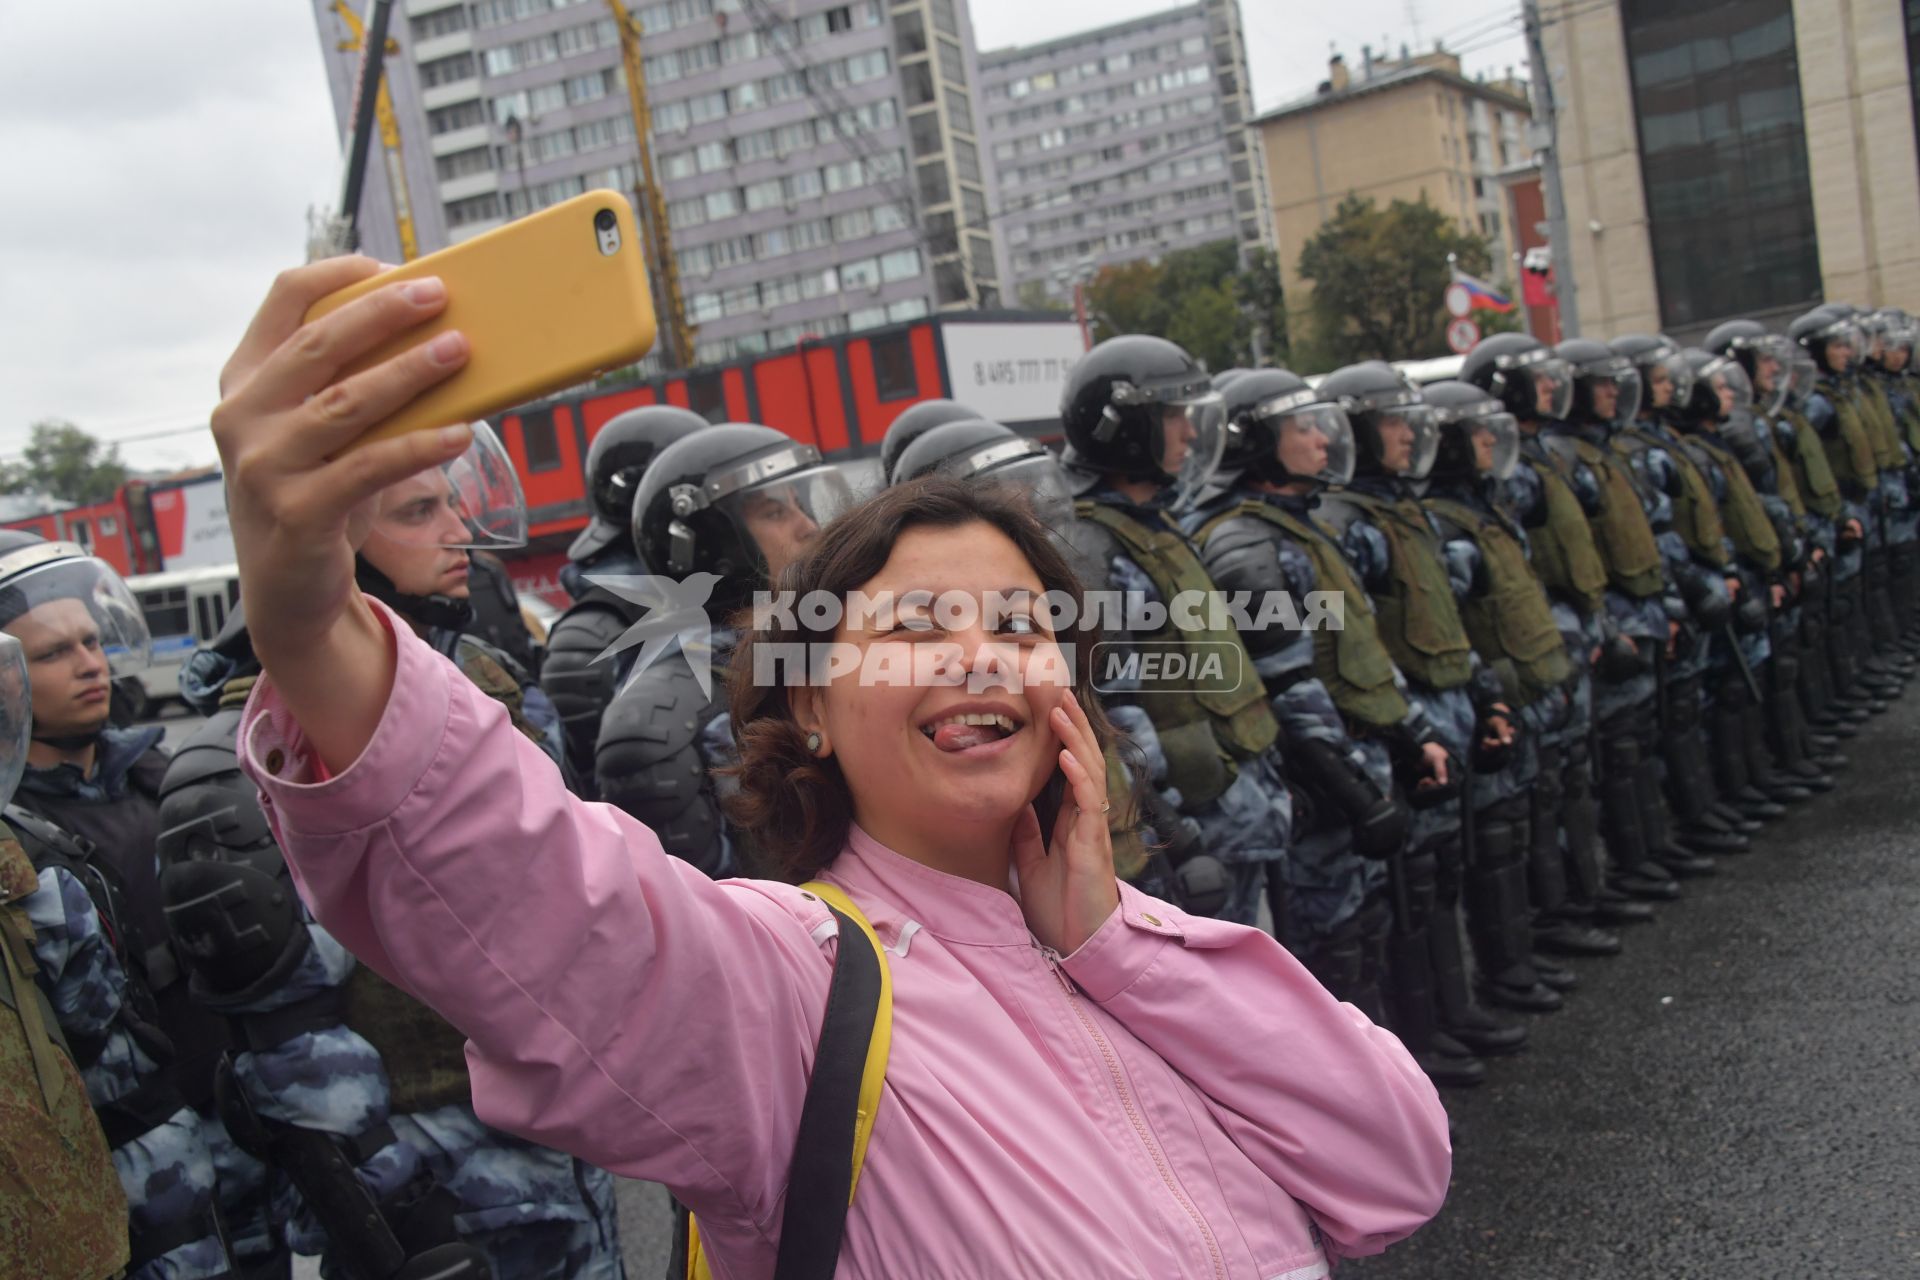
(545, 302)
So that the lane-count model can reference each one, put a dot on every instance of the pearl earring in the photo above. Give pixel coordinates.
(813, 744)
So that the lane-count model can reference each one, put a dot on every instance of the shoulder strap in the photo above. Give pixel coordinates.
(843, 1098)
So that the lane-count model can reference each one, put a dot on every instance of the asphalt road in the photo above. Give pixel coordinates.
(1736, 1096)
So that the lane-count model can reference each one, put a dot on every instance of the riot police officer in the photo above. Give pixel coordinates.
(351, 1091)
(76, 623)
(976, 449)
(1555, 494)
(54, 956)
(1144, 429)
(416, 560)
(578, 675)
(1335, 692)
(1861, 682)
(1395, 551)
(717, 515)
(1889, 353)
(1512, 881)
(915, 421)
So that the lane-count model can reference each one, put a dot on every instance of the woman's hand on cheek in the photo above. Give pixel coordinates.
(1067, 885)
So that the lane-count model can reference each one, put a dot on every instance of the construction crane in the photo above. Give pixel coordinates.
(356, 42)
(670, 307)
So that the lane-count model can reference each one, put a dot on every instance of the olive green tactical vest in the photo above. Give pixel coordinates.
(1206, 725)
(1353, 662)
(1564, 554)
(65, 1213)
(1814, 472)
(1877, 411)
(1621, 529)
(1511, 623)
(1746, 516)
(1418, 616)
(1784, 478)
(1910, 421)
(1850, 452)
(1696, 516)
(424, 1055)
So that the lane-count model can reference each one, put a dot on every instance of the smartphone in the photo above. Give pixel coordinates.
(546, 302)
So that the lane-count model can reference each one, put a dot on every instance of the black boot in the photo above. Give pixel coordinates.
(1630, 869)
(1653, 827)
(1460, 1015)
(1409, 993)
(1495, 896)
(1777, 786)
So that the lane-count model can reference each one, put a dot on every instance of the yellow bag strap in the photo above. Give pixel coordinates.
(809, 1243)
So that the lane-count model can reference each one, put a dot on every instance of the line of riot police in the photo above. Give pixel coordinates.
(1599, 627)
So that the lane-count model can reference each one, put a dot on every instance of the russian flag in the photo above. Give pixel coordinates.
(1485, 296)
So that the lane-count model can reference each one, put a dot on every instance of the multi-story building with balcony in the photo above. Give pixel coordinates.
(1123, 143)
(819, 159)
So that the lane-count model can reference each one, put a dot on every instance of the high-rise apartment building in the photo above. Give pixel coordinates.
(1123, 143)
(819, 159)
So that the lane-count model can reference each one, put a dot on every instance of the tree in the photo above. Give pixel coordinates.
(1033, 296)
(1200, 298)
(63, 461)
(1379, 278)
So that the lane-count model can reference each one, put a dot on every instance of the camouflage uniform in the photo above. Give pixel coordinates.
(1249, 826)
(62, 1211)
(166, 1172)
(534, 1212)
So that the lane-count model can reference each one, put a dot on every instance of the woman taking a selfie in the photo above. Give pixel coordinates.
(1083, 1081)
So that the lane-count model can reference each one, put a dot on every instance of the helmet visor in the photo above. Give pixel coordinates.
(1844, 347)
(1801, 381)
(1615, 395)
(473, 501)
(1772, 357)
(1496, 444)
(1552, 387)
(16, 716)
(74, 607)
(1044, 483)
(1666, 379)
(1732, 386)
(1314, 442)
(1193, 434)
(1409, 438)
(782, 511)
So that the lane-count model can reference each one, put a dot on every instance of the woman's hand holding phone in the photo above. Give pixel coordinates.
(1067, 885)
(284, 417)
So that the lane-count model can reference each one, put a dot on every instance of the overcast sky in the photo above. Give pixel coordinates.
(162, 158)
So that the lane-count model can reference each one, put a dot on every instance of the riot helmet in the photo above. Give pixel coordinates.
(986, 451)
(1722, 398)
(1141, 408)
(1523, 374)
(1666, 379)
(1392, 427)
(1478, 437)
(16, 716)
(1606, 385)
(79, 628)
(1830, 337)
(473, 500)
(1898, 337)
(915, 421)
(615, 461)
(738, 500)
(1766, 357)
(1801, 382)
(1282, 431)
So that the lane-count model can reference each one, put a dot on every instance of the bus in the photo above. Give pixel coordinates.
(184, 609)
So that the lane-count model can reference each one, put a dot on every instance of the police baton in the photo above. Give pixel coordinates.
(1740, 660)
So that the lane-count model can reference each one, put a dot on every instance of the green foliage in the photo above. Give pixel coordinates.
(1033, 296)
(1200, 298)
(63, 461)
(1379, 278)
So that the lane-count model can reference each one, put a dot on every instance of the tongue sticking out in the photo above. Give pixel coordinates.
(961, 737)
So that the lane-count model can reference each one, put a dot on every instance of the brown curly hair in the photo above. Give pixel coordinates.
(793, 807)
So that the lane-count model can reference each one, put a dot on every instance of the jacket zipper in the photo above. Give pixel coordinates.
(1133, 1114)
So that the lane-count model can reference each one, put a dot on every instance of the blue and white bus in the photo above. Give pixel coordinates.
(184, 609)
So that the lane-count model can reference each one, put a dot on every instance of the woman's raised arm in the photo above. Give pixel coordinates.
(284, 414)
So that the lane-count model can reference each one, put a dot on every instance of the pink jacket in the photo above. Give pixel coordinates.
(1177, 1098)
